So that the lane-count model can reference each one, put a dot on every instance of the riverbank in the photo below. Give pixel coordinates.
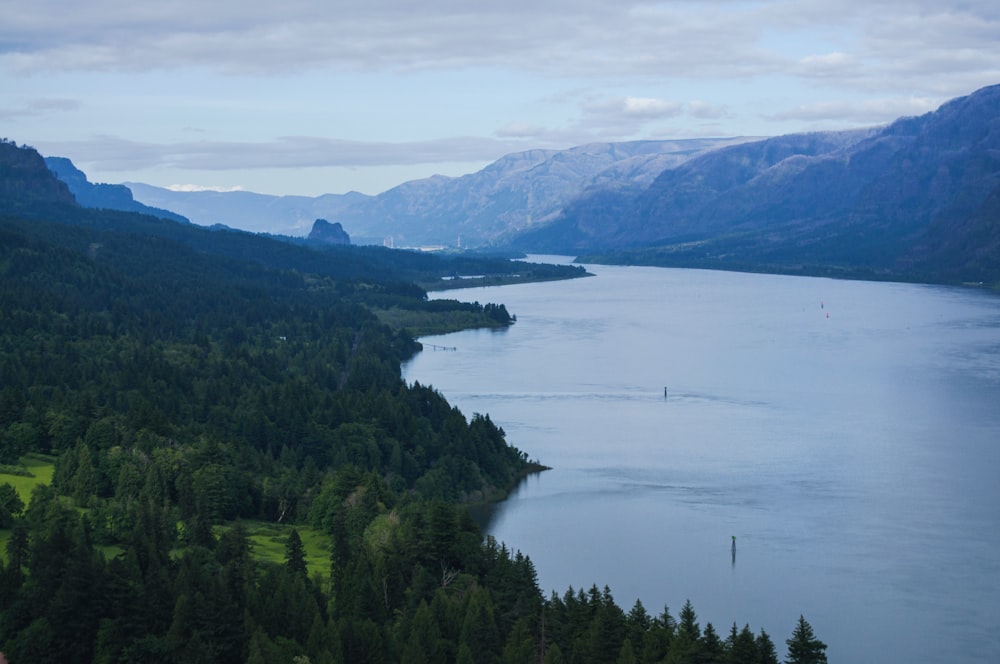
(483, 512)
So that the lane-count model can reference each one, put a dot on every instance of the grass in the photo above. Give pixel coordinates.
(268, 540)
(34, 469)
(424, 323)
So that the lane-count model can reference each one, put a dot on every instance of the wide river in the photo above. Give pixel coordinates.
(847, 433)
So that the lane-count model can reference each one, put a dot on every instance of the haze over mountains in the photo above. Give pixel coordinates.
(916, 200)
(486, 207)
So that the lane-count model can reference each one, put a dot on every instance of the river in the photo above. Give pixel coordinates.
(846, 433)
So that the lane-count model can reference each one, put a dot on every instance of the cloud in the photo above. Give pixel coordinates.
(198, 187)
(650, 108)
(38, 107)
(706, 111)
(868, 111)
(829, 65)
(303, 84)
(111, 153)
(868, 42)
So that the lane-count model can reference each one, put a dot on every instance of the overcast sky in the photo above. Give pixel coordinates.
(308, 97)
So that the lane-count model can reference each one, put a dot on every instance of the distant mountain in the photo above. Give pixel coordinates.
(35, 202)
(249, 211)
(488, 207)
(102, 196)
(918, 199)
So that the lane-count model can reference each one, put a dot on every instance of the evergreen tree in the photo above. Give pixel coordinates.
(804, 647)
(710, 649)
(479, 628)
(626, 655)
(11, 505)
(740, 646)
(688, 624)
(295, 554)
(766, 652)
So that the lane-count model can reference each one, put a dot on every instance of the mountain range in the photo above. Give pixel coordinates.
(918, 199)
(488, 207)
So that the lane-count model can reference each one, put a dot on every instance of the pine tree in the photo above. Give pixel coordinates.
(688, 624)
(766, 652)
(295, 553)
(804, 647)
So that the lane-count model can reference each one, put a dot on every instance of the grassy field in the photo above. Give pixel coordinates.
(33, 470)
(421, 323)
(37, 468)
(269, 540)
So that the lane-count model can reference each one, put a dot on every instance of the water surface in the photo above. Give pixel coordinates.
(847, 433)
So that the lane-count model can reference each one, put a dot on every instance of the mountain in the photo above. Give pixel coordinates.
(106, 196)
(516, 192)
(26, 182)
(327, 233)
(918, 199)
(31, 196)
(249, 211)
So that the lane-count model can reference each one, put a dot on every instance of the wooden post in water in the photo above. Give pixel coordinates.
(664, 393)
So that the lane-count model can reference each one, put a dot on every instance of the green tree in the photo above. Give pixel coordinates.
(626, 655)
(520, 645)
(804, 647)
(741, 646)
(11, 505)
(479, 629)
(710, 648)
(688, 624)
(766, 652)
(295, 554)
(19, 439)
(83, 485)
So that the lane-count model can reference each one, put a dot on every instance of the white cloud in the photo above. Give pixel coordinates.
(647, 107)
(720, 38)
(117, 154)
(198, 187)
(38, 107)
(388, 84)
(705, 111)
(868, 111)
(829, 65)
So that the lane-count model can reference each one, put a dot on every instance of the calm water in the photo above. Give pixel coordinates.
(847, 433)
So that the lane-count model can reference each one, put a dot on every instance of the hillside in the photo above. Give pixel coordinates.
(914, 200)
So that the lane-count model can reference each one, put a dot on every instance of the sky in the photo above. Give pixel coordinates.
(302, 97)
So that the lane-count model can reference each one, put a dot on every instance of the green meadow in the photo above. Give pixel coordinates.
(268, 542)
(268, 539)
(33, 470)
